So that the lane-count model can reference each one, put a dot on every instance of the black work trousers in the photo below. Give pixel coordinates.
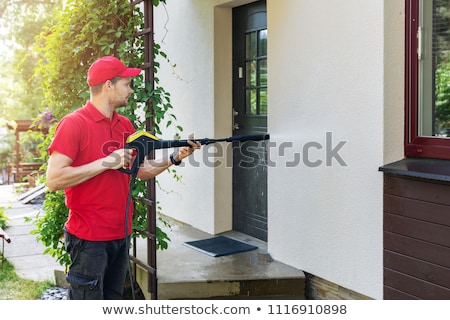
(98, 269)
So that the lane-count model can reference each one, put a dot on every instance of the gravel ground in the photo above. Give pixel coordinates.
(55, 293)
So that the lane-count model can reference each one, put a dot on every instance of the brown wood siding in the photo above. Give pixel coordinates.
(416, 238)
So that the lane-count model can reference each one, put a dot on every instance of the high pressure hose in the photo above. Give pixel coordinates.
(127, 238)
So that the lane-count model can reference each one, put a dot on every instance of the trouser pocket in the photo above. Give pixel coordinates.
(78, 281)
(83, 287)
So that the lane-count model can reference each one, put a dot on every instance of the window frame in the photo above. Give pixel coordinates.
(416, 145)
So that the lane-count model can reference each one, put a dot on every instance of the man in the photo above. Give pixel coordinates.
(87, 150)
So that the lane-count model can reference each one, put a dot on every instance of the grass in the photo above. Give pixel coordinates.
(12, 287)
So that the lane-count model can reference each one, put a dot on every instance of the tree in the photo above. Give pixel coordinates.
(22, 21)
(20, 92)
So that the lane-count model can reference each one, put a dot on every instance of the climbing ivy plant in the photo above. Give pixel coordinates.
(87, 30)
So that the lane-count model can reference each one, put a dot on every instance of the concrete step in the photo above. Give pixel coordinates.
(185, 273)
(238, 289)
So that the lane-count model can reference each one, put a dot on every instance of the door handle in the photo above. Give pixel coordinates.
(235, 125)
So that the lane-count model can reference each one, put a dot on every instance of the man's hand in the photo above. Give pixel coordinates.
(118, 159)
(187, 151)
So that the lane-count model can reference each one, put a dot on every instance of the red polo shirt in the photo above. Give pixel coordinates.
(96, 206)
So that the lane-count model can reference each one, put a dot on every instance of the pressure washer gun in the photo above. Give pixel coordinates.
(143, 143)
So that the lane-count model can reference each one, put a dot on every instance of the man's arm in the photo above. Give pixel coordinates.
(61, 174)
(151, 168)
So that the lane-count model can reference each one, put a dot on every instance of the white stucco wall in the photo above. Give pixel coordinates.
(332, 81)
(335, 70)
(185, 30)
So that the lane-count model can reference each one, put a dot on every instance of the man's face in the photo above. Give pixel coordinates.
(121, 92)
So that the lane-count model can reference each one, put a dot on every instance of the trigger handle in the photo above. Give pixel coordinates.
(133, 167)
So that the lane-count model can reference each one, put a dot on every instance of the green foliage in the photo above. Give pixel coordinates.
(6, 147)
(3, 218)
(87, 30)
(49, 227)
(442, 96)
(21, 21)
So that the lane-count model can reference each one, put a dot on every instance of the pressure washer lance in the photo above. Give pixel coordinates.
(144, 142)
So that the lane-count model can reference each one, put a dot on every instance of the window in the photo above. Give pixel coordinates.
(256, 72)
(427, 89)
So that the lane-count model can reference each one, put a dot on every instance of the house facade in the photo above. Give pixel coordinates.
(327, 80)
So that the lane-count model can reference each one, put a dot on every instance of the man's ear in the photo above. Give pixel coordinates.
(108, 84)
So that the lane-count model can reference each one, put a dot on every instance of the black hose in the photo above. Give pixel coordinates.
(127, 238)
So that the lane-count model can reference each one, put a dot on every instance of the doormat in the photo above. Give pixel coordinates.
(219, 246)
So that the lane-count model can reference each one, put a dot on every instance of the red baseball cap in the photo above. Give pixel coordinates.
(107, 68)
